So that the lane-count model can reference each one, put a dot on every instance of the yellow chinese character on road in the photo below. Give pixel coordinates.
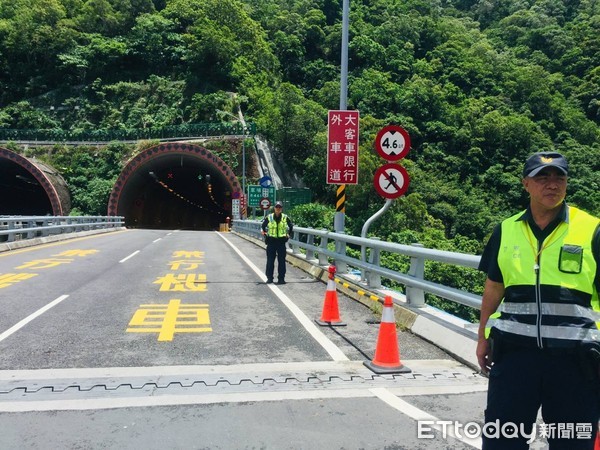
(7, 279)
(166, 320)
(182, 283)
(185, 264)
(44, 263)
(186, 254)
(76, 252)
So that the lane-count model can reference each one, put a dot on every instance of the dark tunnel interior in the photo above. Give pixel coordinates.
(22, 194)
(171, 191)
(175, 191)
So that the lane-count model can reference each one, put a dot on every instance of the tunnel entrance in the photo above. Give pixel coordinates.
(174, 185)
(30, 187)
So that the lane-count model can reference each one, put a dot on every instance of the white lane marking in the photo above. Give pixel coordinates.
(382, 393)
(418, 414)
(334, 351)
(130, 256)
(156, 240)
(29, 318)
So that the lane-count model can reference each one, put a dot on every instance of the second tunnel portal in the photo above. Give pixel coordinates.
(174, 185)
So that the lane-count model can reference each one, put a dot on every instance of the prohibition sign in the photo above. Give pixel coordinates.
(392, 143)
(391, 180)
(265, 203)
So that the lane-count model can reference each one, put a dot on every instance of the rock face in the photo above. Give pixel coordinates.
(274, 166)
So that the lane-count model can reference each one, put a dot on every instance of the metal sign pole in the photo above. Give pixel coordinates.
(365, 229)
(340, 218)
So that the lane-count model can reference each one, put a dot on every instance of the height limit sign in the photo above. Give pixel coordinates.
(391, 180)
(392, 143)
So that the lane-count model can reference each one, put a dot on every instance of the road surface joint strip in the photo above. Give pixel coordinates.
(336, 376)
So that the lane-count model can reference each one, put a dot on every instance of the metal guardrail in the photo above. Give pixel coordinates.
(207, 129)
(314, 246)
(14, 228)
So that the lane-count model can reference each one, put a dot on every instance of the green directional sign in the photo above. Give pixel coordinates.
(256, 193)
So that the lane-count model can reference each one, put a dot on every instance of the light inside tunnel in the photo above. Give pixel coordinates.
(175, 191)
(169, 186)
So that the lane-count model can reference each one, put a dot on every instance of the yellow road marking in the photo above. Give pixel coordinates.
(8, 279)
(174, 317)
(54, 244)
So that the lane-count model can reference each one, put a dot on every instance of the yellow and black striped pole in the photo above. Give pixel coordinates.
(340, 209)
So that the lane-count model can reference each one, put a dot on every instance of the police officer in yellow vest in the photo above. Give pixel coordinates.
(277, 228)
(541, 292)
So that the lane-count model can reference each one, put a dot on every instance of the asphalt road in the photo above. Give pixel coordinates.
(154, 339)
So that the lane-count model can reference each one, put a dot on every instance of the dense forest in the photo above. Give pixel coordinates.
(478, 84)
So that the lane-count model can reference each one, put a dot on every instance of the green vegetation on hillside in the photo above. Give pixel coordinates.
(479, 85)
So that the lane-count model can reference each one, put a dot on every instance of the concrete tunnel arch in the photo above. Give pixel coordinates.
(166, 186)
(30, 187)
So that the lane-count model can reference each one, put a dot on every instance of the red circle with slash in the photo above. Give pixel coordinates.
(391, 180)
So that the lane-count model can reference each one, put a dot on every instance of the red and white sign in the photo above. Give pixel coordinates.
(392, 143)
(391, 180)
(265, 203)
(243, 206)
(342, 147)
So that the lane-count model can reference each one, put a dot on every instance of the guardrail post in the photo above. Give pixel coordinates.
(68, 222)
(340, 249)
(11, 226)
(25, 224)
(416, 297)
(43, 232)
(323, 261)
(310, 254)
(4, 226)
(373, 279)
(296, 247)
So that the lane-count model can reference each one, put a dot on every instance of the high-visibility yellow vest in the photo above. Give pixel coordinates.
(550, 297)
(277, 229)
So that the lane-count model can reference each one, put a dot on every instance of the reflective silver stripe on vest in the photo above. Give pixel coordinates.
(567, 333)
(552, 309)
(491, 322)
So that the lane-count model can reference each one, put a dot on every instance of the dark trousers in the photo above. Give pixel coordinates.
(563, 384)
(276, 249)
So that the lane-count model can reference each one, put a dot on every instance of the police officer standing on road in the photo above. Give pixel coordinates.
(277, 228)
(541, 292)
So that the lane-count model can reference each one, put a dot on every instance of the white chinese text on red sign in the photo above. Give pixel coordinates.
(342, 147)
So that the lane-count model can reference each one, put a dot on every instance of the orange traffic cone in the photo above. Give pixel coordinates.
(387, 354)
(331, 314)
(597, 445)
